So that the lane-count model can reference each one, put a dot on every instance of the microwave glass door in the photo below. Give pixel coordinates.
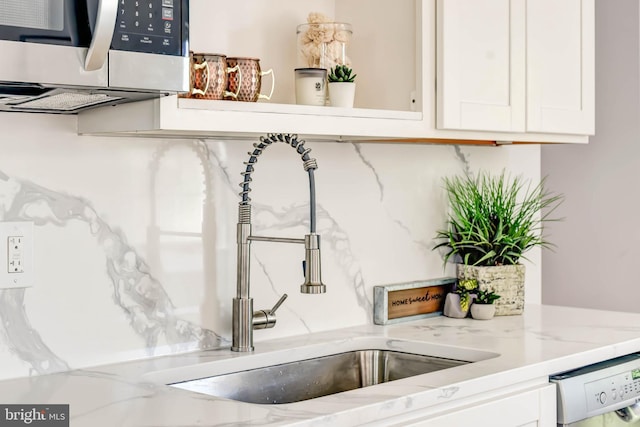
(37, 14)
(61, 22)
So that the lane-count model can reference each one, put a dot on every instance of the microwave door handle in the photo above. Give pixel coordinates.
(101, 41)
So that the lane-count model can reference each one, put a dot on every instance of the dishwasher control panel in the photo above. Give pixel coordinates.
(614, 389)
(596, 389)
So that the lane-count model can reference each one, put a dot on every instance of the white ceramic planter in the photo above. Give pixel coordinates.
(342, 94)
(483, 311)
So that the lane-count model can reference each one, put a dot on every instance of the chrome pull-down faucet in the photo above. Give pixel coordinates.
(245, 319)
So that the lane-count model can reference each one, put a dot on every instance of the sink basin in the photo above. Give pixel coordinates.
(289, 373)
(307, 379)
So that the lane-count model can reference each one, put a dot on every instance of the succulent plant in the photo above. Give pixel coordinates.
(341, 73)
(486, 296)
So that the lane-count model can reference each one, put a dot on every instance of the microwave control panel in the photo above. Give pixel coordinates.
(150, 26)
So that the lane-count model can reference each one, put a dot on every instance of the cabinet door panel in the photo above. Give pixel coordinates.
(560, 66)
(524, 409)
(481, 67)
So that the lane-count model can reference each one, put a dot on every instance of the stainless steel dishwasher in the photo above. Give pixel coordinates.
(605, 394)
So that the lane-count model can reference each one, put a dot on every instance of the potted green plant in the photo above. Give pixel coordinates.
(342, 86)
(493, 221)
(483, 307)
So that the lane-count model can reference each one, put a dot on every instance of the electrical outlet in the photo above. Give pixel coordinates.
(16, 252)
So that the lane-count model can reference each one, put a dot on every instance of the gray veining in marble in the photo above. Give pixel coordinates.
(140, 296)
(425, 245)
(358, 149)
(463, 159)
(448, 392)
(265, 271)
(22, 339)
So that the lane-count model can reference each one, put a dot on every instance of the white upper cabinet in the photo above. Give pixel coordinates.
(516, 65)
(481, 65)
(428, 71)
(560, 66)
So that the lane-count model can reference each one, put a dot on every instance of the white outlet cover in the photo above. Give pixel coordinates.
(25, 278)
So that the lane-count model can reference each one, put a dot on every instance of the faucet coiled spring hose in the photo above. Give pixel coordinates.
(309, 165)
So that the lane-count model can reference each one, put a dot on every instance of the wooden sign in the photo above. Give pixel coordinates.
(410, 301)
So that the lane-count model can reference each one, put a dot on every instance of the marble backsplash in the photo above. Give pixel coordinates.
(135, 238)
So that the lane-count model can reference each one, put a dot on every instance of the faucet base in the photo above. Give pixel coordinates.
(242, 338)
(313, 289)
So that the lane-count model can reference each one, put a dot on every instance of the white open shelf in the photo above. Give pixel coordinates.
(268, 107)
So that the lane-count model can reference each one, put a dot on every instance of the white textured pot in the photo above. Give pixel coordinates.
(505, 280)
(483, 311)
(342, 94)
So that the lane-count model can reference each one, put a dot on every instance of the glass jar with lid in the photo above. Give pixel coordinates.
(323, 45)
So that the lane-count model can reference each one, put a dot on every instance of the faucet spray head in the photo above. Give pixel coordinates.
(312, 280)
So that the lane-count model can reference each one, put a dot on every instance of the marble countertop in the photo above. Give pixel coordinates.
(543, 341)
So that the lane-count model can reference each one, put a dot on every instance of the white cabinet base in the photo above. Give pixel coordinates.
(527, 406)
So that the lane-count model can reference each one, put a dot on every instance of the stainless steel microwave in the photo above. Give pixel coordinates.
(64, 56)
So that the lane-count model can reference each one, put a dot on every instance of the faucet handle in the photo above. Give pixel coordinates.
(279, 303)
(264, 319)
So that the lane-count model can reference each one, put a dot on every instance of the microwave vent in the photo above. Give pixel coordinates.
(66, 101)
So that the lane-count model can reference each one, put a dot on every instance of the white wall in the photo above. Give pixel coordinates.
(598, 244)
(135, 238)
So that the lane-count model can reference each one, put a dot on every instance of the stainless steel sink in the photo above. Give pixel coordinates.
(321, 376)
(285, 371)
